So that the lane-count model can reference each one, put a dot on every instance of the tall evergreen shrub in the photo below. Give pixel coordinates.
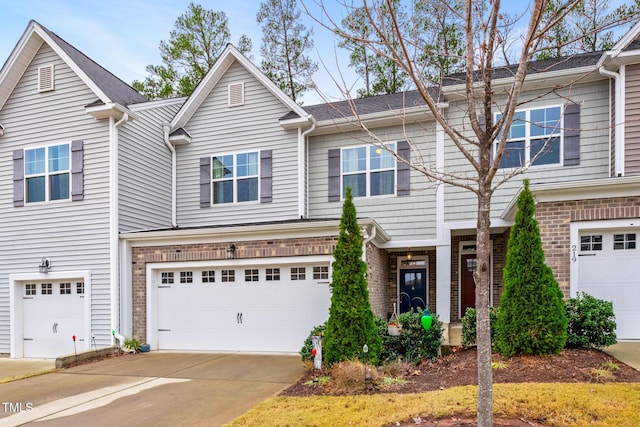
(351, 322)
(532, 318)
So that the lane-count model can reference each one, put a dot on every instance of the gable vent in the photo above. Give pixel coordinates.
(45, 78)
(236, 94)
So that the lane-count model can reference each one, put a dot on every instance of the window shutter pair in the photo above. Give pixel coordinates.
(77, 174)
(403, 174)
(266, 184)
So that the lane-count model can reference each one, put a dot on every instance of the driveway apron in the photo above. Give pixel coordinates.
(149, 389)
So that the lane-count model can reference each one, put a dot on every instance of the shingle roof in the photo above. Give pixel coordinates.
(536, 67)
(117, 90)
(371, 104)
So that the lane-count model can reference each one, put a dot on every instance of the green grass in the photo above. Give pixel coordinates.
(557, 404)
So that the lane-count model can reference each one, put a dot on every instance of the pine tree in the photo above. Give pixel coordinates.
(351, 322)
(532, 318)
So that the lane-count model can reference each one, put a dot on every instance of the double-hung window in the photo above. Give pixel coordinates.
(235, 177)
(46, 172)
(369, 170)
(535, 136)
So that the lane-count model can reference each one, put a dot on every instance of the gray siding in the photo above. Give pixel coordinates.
(632, 124)
(218, 129)
(461, 204)
(74, 235)
(403, 217)
(145, 170)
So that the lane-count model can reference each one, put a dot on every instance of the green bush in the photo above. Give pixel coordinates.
(591, 322)
(414, 343)
(469, 325)
(305, 352)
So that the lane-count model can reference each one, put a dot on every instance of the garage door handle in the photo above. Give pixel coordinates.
(587, 254)
(239, 318)
(164, 330)
(27, 339)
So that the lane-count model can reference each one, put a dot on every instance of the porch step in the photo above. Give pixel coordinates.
(455, 334)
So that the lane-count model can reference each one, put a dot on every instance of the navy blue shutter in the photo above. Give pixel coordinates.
(334, 175)
(77, 170)
(266, 176)
(572, 135)
(205, 182)
(404, 171)
(18, 177)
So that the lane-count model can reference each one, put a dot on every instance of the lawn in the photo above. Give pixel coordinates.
(556, 404)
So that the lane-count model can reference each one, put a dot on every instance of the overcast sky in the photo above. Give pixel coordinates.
(123, 35)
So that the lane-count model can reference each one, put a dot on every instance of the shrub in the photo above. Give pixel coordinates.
(469, 325)
(532, 318)
(132, 344)
(305, 351)
(591, 322)
(349, 376)
(414, 343)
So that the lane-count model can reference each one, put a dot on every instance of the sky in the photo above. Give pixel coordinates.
(123, 35)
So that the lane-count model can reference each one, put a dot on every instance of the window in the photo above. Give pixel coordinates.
(251, 275)
(30, 289)
(186, 277)
(208, 276)
(591, 243)
(534, 132)
(46, 172)
(298, 273)
(235, 177)
(368, 170)
(228, 275)
(273, 274)
(167, 278)
(321, 272)
(624, 241)
(65, 288)
(46, 289)
(80, 288)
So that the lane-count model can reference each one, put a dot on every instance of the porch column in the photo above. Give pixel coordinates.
(443, 283)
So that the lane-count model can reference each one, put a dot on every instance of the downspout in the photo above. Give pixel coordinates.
(114, 213)
(618, 120)
(302, 168)
(365, 241)
(174, 221)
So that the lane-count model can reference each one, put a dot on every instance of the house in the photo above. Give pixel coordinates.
(208, 223)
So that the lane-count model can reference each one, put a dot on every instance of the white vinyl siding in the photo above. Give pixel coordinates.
(145, 170)
(216, 128)
(461, 204)
(74, 235)
(402, 217)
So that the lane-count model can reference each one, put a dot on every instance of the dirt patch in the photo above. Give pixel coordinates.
(460, 368)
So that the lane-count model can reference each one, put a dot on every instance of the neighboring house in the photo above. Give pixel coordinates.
(208, 223)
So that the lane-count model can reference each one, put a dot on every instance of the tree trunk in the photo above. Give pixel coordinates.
(483, 327)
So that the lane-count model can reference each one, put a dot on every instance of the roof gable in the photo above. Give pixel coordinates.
(107, 87)
(227, 58)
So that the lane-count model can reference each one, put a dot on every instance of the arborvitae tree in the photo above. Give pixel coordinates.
(351, 322)
(532, 318)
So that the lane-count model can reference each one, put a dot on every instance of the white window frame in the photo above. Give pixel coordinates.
(235, 178)
(368, 171)
(46, 174)
(528, 138)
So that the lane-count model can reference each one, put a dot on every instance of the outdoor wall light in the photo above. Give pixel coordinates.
(231, 251)
(45, 265)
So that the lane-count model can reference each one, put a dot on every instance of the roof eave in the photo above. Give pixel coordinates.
(111, 109)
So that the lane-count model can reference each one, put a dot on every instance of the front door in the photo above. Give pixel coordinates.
(468, 264)
(413, 289)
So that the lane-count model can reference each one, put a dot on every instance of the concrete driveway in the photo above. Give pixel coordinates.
(149, 389)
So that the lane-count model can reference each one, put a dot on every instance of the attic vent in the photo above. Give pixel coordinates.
(236, 94)
(45, 78)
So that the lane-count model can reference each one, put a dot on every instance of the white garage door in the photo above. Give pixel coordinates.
(53, 312)
(241, 309)
(609, 269)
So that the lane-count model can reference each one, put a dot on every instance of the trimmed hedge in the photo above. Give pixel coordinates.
(591, 322)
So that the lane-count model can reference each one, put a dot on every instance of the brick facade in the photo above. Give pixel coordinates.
(393, 279)
(380, 291)
(554, 219)
(141, 256)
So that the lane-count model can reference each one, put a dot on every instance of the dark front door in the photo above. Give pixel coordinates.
(413, 289)
(467, 283)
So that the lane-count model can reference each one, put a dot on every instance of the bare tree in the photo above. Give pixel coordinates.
(480, 139)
